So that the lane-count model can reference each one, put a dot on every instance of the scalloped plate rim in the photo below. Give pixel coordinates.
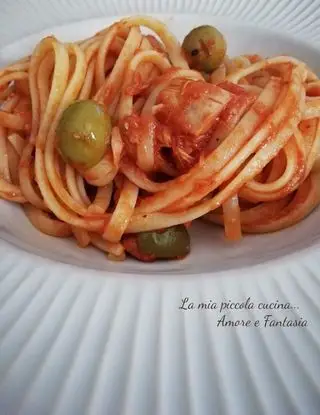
(273, 30)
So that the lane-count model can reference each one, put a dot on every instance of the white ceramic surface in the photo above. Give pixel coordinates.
(84, 335)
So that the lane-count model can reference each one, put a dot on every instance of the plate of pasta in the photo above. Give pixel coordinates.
(125, 140)
(144, 160)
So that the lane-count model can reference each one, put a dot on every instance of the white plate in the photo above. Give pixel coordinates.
(84, 335)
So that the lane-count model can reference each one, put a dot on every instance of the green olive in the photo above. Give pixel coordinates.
(173, 242)
(84, 133)
(205, 47)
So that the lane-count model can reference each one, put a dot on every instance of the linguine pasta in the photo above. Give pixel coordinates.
(236, 147)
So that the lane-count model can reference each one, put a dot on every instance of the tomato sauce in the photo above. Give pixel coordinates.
(186, 116)
(138, 85)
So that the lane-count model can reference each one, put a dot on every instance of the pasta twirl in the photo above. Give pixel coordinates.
(235, 145)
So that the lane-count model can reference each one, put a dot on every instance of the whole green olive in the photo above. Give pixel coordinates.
(205, 47)
(173, 242)
(84, 133)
